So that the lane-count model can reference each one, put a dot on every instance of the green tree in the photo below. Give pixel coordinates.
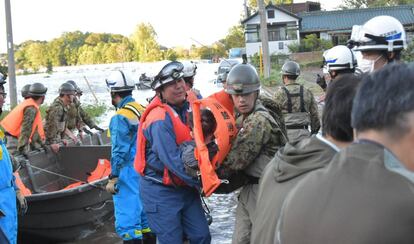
(351, 4)
(252, 4)
(145, 43)
(234, 38)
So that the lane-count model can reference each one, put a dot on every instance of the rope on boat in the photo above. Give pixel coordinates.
(67, 177)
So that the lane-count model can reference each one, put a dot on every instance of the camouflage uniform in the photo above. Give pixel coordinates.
(298, 120)
(257, 141)
(56, 117)
(22, 144)
(77, 117)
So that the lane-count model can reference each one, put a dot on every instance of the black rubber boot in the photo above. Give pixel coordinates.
(149, 238)
(134, 241)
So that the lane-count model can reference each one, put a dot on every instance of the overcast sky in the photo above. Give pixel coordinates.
(177, 23)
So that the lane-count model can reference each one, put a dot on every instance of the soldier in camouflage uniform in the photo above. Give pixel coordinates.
(257, 141)
(77, 117)
(56, 117)
(24, 123)
(297, 104)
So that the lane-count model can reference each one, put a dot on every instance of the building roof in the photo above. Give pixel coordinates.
(270, 6)
(345, 19)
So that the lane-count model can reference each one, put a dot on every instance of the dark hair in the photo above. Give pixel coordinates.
(336, 116)
(208, 122)
(189, 80)
(384, 99)
(36, 97)
(292, 77)
(124, 94)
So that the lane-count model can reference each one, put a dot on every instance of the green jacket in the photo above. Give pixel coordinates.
(290, 164)
(365, 195)
(56, 121)
(257, 141)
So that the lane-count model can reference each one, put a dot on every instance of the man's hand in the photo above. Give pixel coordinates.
(111, 186)
(22, 202)
(55, 147)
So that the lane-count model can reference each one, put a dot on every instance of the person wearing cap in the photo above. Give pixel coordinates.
(297, 104)
(77, 116)
(25, 91)
(170, 196)
(258, 139)
(56, 118)
(130, 220)
(380, 40)
(23, 125)
(9, 191)
(189, 71)
(338, 61)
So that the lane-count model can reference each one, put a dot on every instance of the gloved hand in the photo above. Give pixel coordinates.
(87, 131)
(111, 186)
(98, 128)
(22, 202)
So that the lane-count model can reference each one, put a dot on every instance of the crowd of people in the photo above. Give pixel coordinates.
(343, 177)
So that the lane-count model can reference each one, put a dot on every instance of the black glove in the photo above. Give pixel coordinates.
(98, 128)
(190, 163)
(87, 131)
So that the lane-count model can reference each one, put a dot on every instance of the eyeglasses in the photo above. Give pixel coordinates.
(173, 70)
(3, 94)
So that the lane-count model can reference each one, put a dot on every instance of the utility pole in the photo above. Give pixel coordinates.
(265, 39)
(10, 52)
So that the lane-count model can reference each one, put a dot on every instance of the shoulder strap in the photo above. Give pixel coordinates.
(302, 101)
(289, 99)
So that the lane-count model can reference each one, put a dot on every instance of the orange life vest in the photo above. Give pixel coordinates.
(225, 131)
(224, 99)
(191, 96)
(23, 189)
(102, 170)
(154, 112)
(12, 123)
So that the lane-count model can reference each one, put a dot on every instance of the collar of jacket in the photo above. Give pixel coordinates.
(124, 101)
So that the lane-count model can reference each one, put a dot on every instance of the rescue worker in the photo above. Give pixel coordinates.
(365, 194)
(297, 104)
(25, 91)
(171, 197)
(257, 141)
(56, 118)
(23, 125)
(189, 72)
(8, 188)
(77, 117)
(338, 61)
(380, 40)
(130, 219)
(295, 160)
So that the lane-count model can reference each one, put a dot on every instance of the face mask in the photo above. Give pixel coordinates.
(367, 65)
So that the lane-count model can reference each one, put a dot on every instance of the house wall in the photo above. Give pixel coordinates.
(274, 47)
(280, 17)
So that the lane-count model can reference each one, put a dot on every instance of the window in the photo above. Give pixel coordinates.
(252, 33)
(276, 32)
(291, 31)
(270, 14)
(281, 45)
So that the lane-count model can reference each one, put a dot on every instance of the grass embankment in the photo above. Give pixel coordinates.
(95, 111)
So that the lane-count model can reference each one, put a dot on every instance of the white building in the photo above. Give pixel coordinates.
(282, 27)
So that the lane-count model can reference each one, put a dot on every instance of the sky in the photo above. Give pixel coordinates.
(177, 23)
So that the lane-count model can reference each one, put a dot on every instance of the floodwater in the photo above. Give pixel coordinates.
(222, 207)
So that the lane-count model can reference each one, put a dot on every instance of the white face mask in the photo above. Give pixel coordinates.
(368, 65)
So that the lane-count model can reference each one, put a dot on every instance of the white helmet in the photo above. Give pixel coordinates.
(119, 81)
(189, 69)
(172, 71)
(380, 33)
(339, 58)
